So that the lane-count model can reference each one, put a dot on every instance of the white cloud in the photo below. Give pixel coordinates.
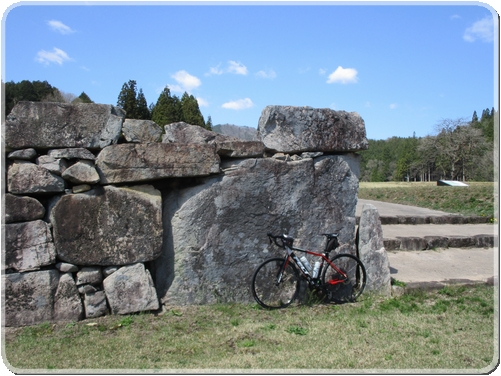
(393, 106)
(215, 70)
(237, 68)
(240, 104)
(202, 102)
(343, 75)
(270, 73)
(60, 27)
(482, 30)
(186, 81)
(57, 56)
(322, 71)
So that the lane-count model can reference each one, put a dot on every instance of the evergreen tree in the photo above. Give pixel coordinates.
(168, 109)
(83, 98)
(127, 99)
(191, 111)
(142, 110)
(474, 119)
(208, 125)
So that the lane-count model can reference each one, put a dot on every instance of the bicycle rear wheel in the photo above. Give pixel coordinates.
(267, 291)
(339, 288)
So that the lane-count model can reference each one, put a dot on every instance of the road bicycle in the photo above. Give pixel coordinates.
(276, 282)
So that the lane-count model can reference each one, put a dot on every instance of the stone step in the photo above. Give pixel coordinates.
(434, 219)
(415, 243)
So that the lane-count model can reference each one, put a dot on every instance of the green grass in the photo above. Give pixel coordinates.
(476, 199)
(449, 329)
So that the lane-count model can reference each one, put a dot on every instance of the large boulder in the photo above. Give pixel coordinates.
(29, 178)
(45, 125)
(135, 130)
(144, 162)
(372, 253)
(22, 208)
(29, 297)
(108, 226)
(226, 146)
(28, 246)
(215, 234)
(130, 289)
(290, 129)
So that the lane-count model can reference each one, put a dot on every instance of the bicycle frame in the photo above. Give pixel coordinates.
(305, 273)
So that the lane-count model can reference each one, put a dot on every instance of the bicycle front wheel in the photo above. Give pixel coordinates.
(346, 280)
(273, 286)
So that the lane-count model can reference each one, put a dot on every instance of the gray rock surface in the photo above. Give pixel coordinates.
(135, 130)
(108, 226)
(216, 233)
(28, 178)
(55, 165)
(292, 129)
(67, 302)
(226, 146)
(372, 253)
(240, 149)
(143, 162)
(95, 304)
(47, 125)
(29, 297)
(89, 275)
(82, 172)
(28, 246)
(22, 208)
(185, 133)
(130, 289)
(71, 153)
(65, 267)
(23, 155)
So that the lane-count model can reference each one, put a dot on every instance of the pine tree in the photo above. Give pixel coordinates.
(142, 110)
(208, 125)
(127, 99)
(191, 111)
(84, 98)
(167, 110)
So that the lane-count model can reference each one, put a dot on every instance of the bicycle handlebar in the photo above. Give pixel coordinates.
(284, 240)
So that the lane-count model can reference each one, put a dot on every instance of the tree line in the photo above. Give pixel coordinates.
(459, 150)
(168, 108)
(37, 91)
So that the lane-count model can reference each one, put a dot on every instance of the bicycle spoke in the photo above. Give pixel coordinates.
(268, 291)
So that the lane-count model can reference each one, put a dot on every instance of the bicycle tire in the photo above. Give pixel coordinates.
(265, 290)
(337, 288)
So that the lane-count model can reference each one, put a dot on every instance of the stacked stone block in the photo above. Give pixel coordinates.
(108, 215)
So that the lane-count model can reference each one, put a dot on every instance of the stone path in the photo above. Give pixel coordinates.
(438, 249)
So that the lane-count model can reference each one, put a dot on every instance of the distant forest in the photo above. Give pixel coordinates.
(460, 150)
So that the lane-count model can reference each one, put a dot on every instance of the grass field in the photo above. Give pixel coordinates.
(476, 199)
(449, 329)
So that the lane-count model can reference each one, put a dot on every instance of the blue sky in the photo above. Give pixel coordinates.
(402, 67)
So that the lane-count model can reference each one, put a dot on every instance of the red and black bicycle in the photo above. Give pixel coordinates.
(276, 282)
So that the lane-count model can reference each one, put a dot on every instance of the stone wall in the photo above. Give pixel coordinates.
(104, 214)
